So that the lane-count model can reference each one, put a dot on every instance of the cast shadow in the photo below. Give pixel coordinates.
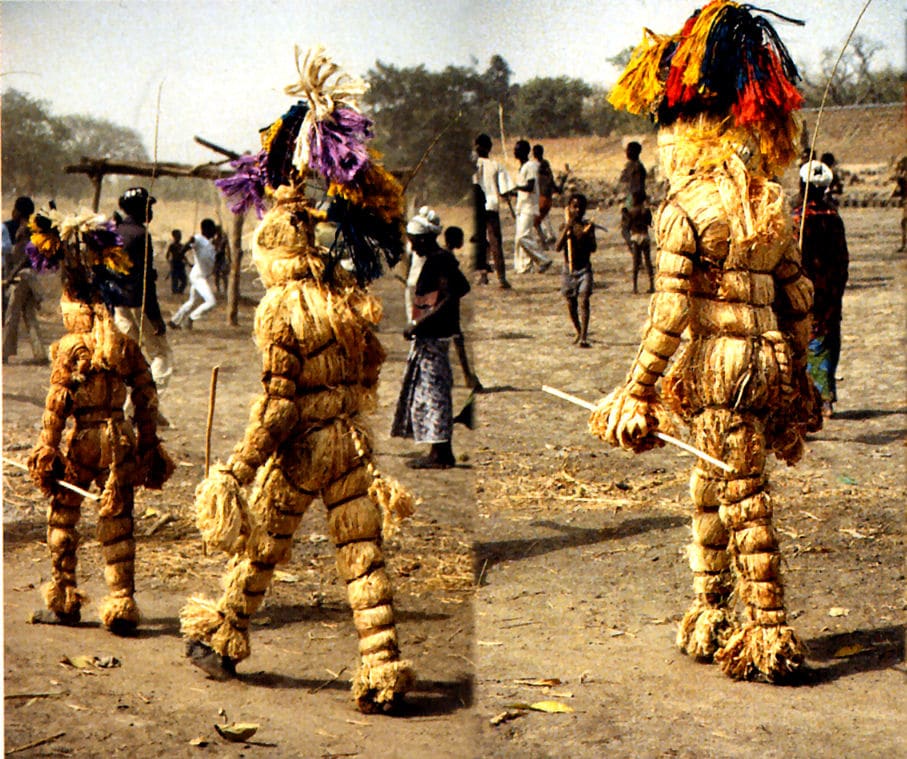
(291, 614)
(880, 648)
(39, 402)
(869, 413)
(506, 336)
(490, 553)
(427, 699)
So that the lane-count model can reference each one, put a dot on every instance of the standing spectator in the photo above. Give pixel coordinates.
(633, 184)
(139, 287)
(636, 219)
(825, 261)
(548, 188)
(837, 186)
(425, 407)
(453, 241)
(492, 181)
(176, 257)
(900, 192)
(577, 241)
(201, 298)
(221, 259)
(527, 250)
(20, 284)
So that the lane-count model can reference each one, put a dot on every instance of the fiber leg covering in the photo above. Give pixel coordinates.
(354, 523)
(764, 647)
(224, 625)
(707, 624)
(115, 534)
(61, 595)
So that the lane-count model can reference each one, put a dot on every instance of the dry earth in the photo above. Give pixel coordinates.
(543, 568)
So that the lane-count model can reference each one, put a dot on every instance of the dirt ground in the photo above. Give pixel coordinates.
(543, 568)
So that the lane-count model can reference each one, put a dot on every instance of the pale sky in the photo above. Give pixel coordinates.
(221, 65)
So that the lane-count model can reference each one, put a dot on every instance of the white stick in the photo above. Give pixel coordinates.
(660, 435)
(62, 483)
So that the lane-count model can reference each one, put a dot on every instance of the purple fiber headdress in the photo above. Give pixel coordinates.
(337, 145)
(39, 262)
(246, 188)
(102, 237)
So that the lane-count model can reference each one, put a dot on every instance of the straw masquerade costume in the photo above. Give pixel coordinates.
(94, 366)
(320, 363)
(728, 274)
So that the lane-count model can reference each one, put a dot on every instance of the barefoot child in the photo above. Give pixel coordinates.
(577, 241)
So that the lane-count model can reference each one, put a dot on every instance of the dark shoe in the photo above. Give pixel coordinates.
(48, 617)
(429, 462)
(505, 285)
(545, 265)
(204, 657)
(482, 278)
(584, 344)
(173, 325)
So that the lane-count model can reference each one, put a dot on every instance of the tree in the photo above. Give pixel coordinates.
(551, 107)
(413, 107)
(854, 82)
(33, 146)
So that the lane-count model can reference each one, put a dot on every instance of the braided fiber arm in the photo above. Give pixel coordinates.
(273, 415)
(45, 462)
(629, 415)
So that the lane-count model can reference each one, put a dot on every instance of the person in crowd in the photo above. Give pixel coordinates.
(21, 296)
(548, 188)
(453, 241)
(577, 241)
(527, 249)
(201, 297)
(491, 182)
(176, 258)
(424, 409)
(825, 261)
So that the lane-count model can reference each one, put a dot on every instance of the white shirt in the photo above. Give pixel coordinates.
(528, 202)
(204, 256)
(493, 180)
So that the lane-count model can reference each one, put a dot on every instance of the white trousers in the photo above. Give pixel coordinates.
(200, 292)
(526, 245)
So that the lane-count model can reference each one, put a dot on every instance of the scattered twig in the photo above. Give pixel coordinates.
(162, 520)
(33, 744)
(39, 694)
(326, 683)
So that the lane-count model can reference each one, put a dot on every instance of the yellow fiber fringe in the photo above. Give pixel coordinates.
(119, 609)
(221, 512)
(638, 90)
(378, 683)
(201, 620)
(757, 651)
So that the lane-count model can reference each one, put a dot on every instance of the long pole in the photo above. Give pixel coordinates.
(212, 395)
(660, 435)
(61, 483)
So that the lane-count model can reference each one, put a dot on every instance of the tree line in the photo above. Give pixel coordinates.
(424, 118)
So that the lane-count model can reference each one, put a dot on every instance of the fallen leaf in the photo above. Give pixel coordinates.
(544, 682)
(846, 479)
(853, 533)
(845, 651)
(281, 576)
(489, 643)
(200, 742)
(838, 611)
(150, 511)
(551, 707)
(237, 732)
(79, 662)
(106, 662)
